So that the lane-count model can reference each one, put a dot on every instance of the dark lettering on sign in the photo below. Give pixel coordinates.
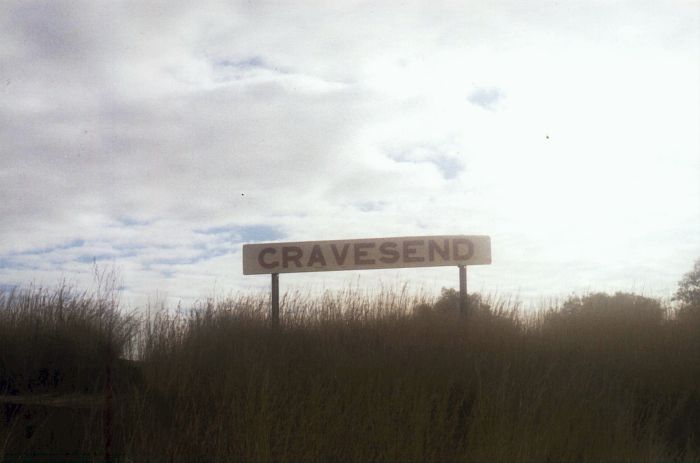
(291, 254)
(360, 252)
(261, 258)
(456, 251)
(316, 256)
(340, 257)
(409, 248)
(389, 249)
(433, 247)
(366, 253)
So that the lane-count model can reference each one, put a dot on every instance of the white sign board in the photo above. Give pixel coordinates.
(366, 254)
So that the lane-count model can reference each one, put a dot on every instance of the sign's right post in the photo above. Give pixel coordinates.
(463, 303)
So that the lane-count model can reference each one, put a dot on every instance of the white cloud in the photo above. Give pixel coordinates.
(134, 126)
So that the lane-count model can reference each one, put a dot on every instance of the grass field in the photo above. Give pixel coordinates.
(348, 376)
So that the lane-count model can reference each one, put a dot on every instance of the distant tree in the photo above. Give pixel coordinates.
(688, 293)
(448, 303)
(603, 311)
(617, 305)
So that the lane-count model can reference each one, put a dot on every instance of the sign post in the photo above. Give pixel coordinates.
(275, 300)
(463, 302)
(366, 254)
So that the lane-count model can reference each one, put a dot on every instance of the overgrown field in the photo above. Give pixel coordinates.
(348, 376)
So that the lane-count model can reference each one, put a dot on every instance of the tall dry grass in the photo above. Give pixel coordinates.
(59, 340)
(388, 376)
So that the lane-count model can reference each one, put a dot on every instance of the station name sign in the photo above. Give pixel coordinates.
(366, 254)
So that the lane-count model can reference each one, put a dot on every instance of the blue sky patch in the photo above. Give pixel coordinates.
(250, 62)
(260, 233)
(205, 255)
(78, 243)
(245, 233)
(128, 250)
(7, 287)
(9, 262)
(131, 222)
(486, 98)
(89, 259)
(449, 167)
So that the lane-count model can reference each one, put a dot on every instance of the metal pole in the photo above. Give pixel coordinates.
(108, 412)
(463, 303)
(275, 300)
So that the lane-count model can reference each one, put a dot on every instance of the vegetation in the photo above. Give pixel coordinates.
(349, 376)
(688, 294)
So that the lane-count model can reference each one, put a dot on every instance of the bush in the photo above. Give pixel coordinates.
(607, 323)
(448, 303)
(620, 307)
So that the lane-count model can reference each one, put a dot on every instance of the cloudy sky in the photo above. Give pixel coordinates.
(158, 137)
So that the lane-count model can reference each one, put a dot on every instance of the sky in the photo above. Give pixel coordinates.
(155, 138)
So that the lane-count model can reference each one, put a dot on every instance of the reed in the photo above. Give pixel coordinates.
(360, 376)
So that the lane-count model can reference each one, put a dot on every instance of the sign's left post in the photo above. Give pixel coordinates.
(275, 300)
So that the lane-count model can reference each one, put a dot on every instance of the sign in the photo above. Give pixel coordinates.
(366, 254)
